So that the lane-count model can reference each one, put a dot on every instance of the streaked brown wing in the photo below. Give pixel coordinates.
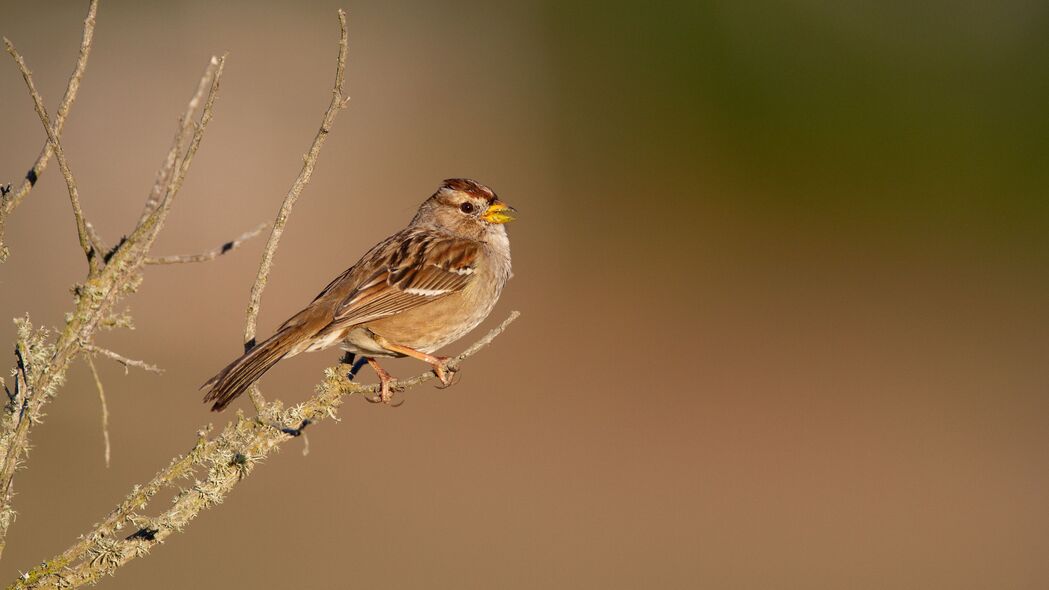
(417, 269)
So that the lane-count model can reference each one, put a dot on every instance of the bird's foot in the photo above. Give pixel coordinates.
(385, 395)
(447, 375)
(385, 388)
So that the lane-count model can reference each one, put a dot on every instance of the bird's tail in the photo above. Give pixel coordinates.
(238, 376)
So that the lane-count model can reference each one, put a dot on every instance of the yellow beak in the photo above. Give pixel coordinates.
(498, 212)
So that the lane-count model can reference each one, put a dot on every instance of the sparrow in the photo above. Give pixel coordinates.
(418, 290)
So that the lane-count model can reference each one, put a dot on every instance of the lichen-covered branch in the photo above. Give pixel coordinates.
(36, 381)
(94, 301)
(219, 463)
(338, 102)
(10, 200)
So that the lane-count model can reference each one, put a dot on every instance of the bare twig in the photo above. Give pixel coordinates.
(9, 201)
(94, 258)
(228, 458)
(105, 409)
(122, 359)
(210, 254)
(338, 102)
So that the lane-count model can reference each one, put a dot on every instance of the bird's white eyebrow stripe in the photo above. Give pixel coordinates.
(425, 292)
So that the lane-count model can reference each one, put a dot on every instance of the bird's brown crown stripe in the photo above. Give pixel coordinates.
(470, 187)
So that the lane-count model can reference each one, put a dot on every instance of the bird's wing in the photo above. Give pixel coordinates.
(402, 274)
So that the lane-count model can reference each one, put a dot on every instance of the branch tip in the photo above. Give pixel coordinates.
(212, 254)
(123, 360)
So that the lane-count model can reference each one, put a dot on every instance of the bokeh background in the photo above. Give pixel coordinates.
(782, 269)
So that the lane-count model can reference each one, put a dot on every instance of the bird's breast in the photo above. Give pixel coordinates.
(445, 320)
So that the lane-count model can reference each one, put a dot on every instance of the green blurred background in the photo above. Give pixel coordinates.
(781, 265)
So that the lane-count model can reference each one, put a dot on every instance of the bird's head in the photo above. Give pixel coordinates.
(465, 208)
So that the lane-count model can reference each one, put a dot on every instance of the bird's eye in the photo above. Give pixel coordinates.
(467, 207)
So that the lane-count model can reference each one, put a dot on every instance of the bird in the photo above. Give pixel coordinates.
(413, 293)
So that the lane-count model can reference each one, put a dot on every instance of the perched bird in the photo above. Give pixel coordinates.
(418, 290)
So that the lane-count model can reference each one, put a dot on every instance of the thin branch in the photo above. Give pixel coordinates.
(338, 102)
(122, 359)
(105, 408)
(94, 258)
(228, 459)
(9, 201)
(210, 254)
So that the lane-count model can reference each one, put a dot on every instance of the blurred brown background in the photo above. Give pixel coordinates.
(782, 270)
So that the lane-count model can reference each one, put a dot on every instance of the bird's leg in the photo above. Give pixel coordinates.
(355, 364)
(439, 363)
(385, 393)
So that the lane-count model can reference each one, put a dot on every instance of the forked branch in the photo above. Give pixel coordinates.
(44, 360)
(9, 200)
(94, 257)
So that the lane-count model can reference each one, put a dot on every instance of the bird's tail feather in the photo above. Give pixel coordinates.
(238, 376)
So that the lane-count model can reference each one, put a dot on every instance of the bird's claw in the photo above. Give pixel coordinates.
(385, 395)
(447, 375)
